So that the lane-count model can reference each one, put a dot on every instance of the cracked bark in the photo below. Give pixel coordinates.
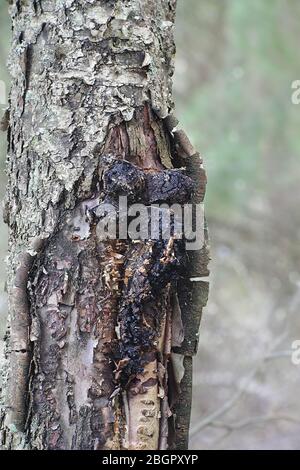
(101, 333)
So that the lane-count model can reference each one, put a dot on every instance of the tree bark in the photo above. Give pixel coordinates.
(94, 358)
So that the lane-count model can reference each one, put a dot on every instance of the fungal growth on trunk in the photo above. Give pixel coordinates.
(102, 329)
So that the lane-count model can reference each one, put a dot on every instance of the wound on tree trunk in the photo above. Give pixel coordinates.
(101, 331)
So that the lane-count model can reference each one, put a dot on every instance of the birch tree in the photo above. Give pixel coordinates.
(101, 332)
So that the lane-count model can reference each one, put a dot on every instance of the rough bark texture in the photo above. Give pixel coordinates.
(100, 331)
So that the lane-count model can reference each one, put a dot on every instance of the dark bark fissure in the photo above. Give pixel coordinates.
(102, 332)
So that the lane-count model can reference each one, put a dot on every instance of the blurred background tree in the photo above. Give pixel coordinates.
(235, 64)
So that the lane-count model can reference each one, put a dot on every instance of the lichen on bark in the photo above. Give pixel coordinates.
(91, 79)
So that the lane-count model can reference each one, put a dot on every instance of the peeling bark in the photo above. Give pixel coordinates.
(101, 332)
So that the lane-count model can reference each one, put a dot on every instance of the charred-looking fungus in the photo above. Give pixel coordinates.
(169, 187)
(124, 179)
(154, 265)
(150, 265)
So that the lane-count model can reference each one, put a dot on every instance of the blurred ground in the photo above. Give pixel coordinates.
(235, 65)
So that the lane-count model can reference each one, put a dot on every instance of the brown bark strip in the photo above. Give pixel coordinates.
(192, 292)
(20, 344)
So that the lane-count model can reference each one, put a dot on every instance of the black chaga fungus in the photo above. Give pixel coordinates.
(153, 267)
(150, 265)
(124, 179)
(170, 187)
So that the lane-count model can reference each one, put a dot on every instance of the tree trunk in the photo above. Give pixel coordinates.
(95, 355)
